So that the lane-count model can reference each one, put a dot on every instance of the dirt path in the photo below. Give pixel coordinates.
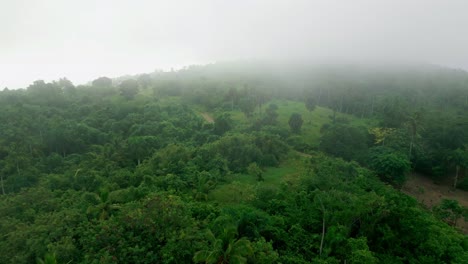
(430, 194)
(208, 118)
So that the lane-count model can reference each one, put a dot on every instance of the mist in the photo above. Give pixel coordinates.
(82, 40)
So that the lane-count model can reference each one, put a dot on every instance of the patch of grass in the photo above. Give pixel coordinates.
(240, 120)
(241, 187)
(234, 192)
(314, 120)
(275, 175)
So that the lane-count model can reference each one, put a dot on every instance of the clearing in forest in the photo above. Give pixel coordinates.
(430, 194)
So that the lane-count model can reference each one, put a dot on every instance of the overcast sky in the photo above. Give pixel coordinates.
(85, 39)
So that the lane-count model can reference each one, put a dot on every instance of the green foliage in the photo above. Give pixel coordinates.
(310, 104)
(143, 232)
(345, 141)
(48, 259)
(254, 170)
(223, 123)
(263, 252)
(360, 252)
(271, 115)
(295, 122)
(463, 185)
(450, 211)
(391, 166)
(225, 247)
(129, 88)
(132, 174)
(247, 106)
(102, 82)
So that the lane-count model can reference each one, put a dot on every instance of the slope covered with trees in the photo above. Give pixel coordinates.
(234, 163)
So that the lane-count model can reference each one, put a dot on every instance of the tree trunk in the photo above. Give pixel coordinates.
(323, 233)
(1, 181)
(455, 180)
(411, 145)
(410, 149)
(334, 115)
(341, 104)
(319, 96)
(323, 227)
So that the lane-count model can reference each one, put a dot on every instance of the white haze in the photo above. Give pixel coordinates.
(82, 40)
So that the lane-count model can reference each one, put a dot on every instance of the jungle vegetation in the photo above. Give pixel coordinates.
(234, 163)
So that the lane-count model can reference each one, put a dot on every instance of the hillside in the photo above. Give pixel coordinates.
(230, 163)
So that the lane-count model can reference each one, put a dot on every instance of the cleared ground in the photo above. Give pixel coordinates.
(430, 194)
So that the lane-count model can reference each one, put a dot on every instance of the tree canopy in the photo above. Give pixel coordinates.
(134, 173)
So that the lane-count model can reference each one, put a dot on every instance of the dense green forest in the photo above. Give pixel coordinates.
(235, 163)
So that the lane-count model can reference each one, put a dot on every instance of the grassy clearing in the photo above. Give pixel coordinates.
(314, 120)
(242, 187)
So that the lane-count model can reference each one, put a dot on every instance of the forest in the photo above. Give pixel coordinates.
(236, 162)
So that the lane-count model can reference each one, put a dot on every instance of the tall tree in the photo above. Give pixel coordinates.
(102, 82)
(129, 88)
(310, 103)
(222, 124)
(459, 158)
(295, 123)
(414, 123)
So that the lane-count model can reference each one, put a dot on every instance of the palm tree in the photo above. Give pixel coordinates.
(104, 207)
(48, 259)
(225, 249)
(414, 122)
(458, 158)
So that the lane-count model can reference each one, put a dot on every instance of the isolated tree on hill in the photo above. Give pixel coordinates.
(64, 83)
(102, 82)
(129, 88)
(310, 104)
(67, 86)
(295, 122)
